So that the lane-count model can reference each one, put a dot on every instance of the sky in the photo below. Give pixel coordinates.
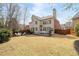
(46, 9)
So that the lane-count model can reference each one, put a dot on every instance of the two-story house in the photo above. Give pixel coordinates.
(44, 24)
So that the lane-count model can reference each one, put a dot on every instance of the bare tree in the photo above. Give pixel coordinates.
(0, 10)
(1, 16)
(12, 13)
(71, 6)
(25, 14)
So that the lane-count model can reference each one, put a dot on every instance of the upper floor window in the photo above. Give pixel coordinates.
(49, 21)
(35, 22)
(36, 28)
(44, 22)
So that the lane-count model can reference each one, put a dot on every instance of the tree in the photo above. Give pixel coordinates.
(12, 13)
(25, 12)
(1, 16)
(77, 29)
(71, 6)
(0, 10)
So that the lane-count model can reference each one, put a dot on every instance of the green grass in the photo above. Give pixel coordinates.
(32, 45)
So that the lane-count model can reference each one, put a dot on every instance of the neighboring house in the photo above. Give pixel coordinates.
(67, 25)
(75, 21)
(63, 27)
(44, 24)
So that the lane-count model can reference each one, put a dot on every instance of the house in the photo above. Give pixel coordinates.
(44, 24)
(67, 25)
(75, 21)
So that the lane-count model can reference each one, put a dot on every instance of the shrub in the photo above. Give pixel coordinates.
(17, 30)
(4, 35)
(77, 29)
(29, 32)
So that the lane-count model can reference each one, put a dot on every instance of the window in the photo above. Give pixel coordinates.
(49, 21)
(40, 28)
(36, 28)
(44, 22)
(44, 28)
(32, 29)
(48, 28)
(35, 22)
(40, 25)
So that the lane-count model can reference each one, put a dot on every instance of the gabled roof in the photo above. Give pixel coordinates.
(36, 17)
(76, 15)
(47, 17)
(41, 18)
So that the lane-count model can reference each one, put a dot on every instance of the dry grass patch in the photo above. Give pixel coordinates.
(38, 45)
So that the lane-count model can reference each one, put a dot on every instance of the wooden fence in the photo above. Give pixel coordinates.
(63, 32)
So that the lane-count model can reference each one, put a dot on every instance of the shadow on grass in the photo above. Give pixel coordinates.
(47, 35)
(76, 46)
(58, 36)
(52, 36)
(1, 42)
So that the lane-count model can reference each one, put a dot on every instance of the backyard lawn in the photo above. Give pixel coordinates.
(32, 45)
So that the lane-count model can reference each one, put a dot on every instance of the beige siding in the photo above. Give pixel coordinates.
(75, 22)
